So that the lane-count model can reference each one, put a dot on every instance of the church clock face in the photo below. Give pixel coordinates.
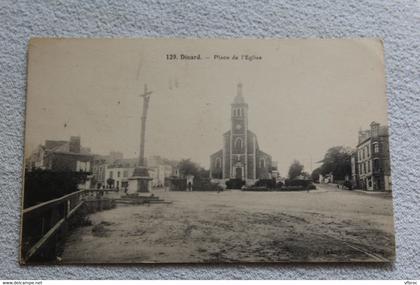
(238, 126)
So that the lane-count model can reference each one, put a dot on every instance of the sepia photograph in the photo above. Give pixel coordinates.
(206, 151)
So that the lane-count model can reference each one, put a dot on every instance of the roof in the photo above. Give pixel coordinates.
(252, 134)
(217, 153)
(383, 130)
(264, 153)
(60, 148)
(53, 144)
(124, 163)
(239, 99)
(366, 135)
(63, 146)
(71, 153)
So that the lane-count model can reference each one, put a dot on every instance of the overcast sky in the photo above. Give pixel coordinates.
(304, 96)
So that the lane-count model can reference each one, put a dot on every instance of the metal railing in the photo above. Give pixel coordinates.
(43, 222)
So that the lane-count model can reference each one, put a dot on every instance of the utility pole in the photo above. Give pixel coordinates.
(311, 164)
(146, 98)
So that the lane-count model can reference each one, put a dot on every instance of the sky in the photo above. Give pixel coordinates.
(304, 96)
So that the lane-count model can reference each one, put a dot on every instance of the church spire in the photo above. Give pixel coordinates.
(239, 99)
(239, 89)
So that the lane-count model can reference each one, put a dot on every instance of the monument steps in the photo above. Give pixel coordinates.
(135, 199)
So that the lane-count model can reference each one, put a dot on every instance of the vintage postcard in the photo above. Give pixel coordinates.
(206, 151)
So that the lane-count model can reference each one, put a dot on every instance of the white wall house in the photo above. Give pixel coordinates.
(119, 174)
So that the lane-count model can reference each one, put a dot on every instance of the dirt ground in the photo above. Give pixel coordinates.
(324, 225)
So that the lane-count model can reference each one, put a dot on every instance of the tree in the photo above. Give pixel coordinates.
(204, 173)
(337, 160)
(43, 185)
(187, 167)
(305, 175)
(295, 169)
(315, 174)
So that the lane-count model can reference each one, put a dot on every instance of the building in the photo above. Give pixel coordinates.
(100, 165)
(113, 171)
(118, 172)
(160, 169)
(60, 155)
(354, 169)
(159, 174)
(275, 174)
(371, 162)
(240, 156)
(114, 155)
(327, 178)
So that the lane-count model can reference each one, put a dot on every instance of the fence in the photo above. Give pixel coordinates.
(46, 223)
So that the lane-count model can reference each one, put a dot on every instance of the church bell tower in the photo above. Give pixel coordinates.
(239, 131)
(239, 112)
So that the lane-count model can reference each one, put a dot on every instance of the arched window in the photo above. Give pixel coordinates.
(238, 143)
(262, 162)
(238, 112)
(218, 162)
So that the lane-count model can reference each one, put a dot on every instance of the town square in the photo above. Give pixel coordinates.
(236, 226)
(172, 167)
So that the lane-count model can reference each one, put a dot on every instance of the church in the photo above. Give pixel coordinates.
(240, 156)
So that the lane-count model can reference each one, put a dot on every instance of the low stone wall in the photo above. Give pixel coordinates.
(95, 205)
(282, 189)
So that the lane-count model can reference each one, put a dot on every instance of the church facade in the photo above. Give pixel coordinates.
(240, 156)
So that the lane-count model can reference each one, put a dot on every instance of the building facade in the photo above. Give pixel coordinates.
(371, 168)
(160, 169)
(240, 156)
(60, 155)
(118, 172)
(159, 174)
(100, 165)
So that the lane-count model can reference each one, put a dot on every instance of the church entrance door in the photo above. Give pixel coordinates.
(238, 172)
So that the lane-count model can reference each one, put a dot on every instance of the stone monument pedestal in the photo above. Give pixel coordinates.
(139, 182)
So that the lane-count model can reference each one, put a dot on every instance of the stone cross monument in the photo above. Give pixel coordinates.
(139, 182)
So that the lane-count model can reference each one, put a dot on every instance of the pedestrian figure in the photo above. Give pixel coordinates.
(189, 186)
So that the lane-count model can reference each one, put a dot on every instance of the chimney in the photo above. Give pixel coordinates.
(374, 128)
(74, 144)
